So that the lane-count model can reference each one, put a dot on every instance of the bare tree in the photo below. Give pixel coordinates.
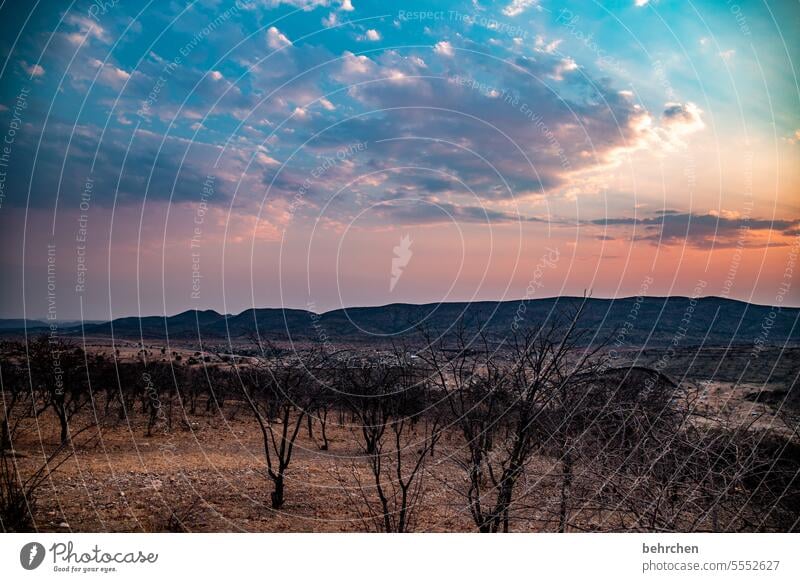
(279, 390)
(17, 396)
(322, 403)
(499, 402)
(18, 492)
(608, 426)
(399, 426)
(47, 373)
(58, 375)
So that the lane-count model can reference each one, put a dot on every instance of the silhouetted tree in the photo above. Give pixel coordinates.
(399, 425)
(279, 390)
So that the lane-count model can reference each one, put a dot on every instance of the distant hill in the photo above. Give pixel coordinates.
(635, 322)
(18, 324)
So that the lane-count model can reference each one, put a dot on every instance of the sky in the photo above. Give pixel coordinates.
(164, 156)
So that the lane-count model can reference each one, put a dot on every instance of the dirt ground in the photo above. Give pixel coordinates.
(211, 476)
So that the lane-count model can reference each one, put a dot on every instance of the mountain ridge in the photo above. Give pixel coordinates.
(648, 320)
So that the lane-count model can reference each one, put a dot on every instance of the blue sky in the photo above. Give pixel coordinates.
(634, 136)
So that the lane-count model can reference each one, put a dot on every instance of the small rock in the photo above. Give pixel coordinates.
(63, 524)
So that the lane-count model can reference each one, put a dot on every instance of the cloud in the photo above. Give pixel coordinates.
(354, 66)
(129, 167)
(303, 4)
(265, 159)
(640, 3)
(565, 65)
(424, 212)
(727, 55)
(681, 119)
(541, 45)
(84, 27)
(535, 140)
(516, 139)
(34, 70)
(443, 48)
(517, 7)
(373, 35)
(712, 229)
(276, 39)
(110, 75)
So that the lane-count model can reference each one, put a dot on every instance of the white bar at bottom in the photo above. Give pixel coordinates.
(402, 558)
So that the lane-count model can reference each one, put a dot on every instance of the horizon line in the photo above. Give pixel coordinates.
(384, 305)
